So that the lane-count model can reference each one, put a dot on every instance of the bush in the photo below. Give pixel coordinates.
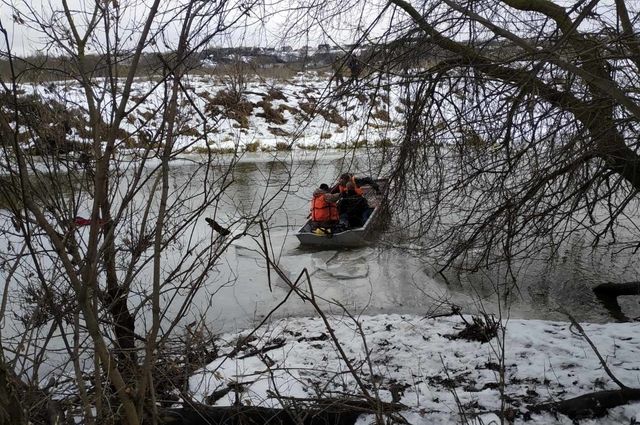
(274, 116)
(252, 147)
(283, 146)
(381, 114)
(234, 107)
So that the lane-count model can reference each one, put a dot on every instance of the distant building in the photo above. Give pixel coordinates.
(286, 49)
(324, 47)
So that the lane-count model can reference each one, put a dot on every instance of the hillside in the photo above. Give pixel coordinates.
(229, 114)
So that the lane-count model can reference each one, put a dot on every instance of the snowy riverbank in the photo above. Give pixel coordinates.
(422, 363)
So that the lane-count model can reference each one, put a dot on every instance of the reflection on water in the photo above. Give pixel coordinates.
(374, 279)
(390, 279)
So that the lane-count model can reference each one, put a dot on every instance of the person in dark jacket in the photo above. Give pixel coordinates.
(355, 66)
(353, 207)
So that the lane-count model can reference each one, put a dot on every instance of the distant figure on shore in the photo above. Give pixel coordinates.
(355, 66)
(340, 66)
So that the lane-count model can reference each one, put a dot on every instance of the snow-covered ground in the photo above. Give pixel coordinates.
(437, 376)
(307, 111)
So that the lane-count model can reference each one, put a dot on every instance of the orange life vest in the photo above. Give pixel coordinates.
(321, 210)
(358, 190)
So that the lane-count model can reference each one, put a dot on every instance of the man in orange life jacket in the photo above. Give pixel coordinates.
(324, 211)
(341, 186)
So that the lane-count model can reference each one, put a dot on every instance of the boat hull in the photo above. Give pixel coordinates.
(351, 238)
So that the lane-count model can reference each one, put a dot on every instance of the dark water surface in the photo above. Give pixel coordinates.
(391, 277)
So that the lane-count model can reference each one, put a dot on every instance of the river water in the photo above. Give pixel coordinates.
(387, 277)
(390, 277)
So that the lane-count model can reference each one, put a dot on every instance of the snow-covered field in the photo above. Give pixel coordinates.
(225, 114)
(420, 361)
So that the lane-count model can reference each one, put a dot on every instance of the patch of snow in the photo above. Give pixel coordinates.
(417, 359)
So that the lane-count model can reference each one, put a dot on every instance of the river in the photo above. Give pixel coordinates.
(390, 277)
(387, 277)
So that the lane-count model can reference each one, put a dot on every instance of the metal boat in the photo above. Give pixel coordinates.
(353, 237)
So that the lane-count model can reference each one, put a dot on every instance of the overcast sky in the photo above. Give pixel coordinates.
(268, 24)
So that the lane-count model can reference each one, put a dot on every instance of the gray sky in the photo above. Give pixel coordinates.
(269, 24)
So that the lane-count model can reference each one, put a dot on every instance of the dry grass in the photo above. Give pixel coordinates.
(330, 114)
(283, 146)
(204, 150)
(362, 98)
(383, 143)
(275, 94)
(276, 131)
(333, 116)
(291, 109)
(233, 105)
(252, 147)
(381, 114)
(270, 114)
(308, 108)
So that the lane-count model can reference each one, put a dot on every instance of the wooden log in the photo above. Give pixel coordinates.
(592, 405)
(249, 415)
(608, 294)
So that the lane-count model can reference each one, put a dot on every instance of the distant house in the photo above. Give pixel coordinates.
(286, 49)
(323, 47)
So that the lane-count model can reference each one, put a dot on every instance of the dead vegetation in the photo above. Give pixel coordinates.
(231, 105)
(270, 114)
(275, 94)
(381, 114)
(329, 113)
(481, 329)
(277, 131)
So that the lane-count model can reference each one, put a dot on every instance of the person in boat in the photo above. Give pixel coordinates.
(324, 210)
(341, 186)
(353, 207)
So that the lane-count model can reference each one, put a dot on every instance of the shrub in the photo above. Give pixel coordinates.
(274, 116)
(283, 146)
(275, 94)
(381, 114)
(252, 147)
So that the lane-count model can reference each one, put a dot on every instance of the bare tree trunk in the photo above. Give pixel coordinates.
(11, 409)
